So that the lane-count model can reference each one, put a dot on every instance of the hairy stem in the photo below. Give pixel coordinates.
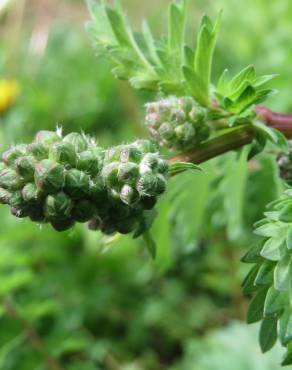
(236, 138)
(232, 140)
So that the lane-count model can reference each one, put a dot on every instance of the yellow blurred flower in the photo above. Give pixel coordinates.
(9, 90)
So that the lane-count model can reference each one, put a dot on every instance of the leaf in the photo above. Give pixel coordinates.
(179, 167)
(285, 327)
(118, 26)
(253, 255)
(264, 80)
(267, 131)
(268, 333)
(265, 274)
(275, 302)
(256, 307)
(176, 26)
(285, 214)
(196, 86)
(223, 86)
(282, 142)
(150, 243)
(289, 238)
(288, 358)
(248, 286)
(247, 74)
(273, 249)
(283, 273)
(270, 230)
(206, 41)
(189, 57)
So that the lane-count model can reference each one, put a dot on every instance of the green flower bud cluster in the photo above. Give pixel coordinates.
(177, 123)
(285, 166)
(63, 180)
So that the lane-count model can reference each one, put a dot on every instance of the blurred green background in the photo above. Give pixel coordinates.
(80, 301)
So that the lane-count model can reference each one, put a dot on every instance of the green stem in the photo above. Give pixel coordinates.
(232, 140)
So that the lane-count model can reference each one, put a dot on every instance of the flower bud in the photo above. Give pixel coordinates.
(98, 191)
(10, 180)
(17, 201)
(19, 212)
(64, 153)
(151, 185)
(77, 184)
(31, 194)
(130, 153)
(126, 226)
(36, 214)
(10, 155)
(79, 141)
(58, 207)
(4, 196)
(148, 203)
(39, 151)
(129, 195)
(62, 225)
(185, 133)
(128, 172)
(110, 174)
(83, 211)
(47, 138)
(25, 167)
(49, 176)
(90, 161)
(94, 224)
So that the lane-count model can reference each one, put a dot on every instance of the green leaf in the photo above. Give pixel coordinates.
(285, 214)
(270, 230)
(196, 86)
(282, 142)
(206, 41)
(268, 333)
(283, 273)
(289, 238)
(189, 57)
(150, 243)
(275, 302)
(253, 255)
(267, 131)
(179, 167)
(248, 286)
(265, 274)
(176, 27)
(247, 74)
(262, 81)
(118, 26)
(273, 249)
(288, 357)
(285, 327)
(256, 307)
(223, 86)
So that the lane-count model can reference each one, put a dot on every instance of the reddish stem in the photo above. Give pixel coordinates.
(273, 118)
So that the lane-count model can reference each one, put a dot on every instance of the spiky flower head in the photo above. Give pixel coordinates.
(177, 123)
(64, 180)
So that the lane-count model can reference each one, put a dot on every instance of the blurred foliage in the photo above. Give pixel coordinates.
(78, 300)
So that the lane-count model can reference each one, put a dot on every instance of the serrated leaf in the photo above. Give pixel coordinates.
(285, 215)
(268, 333)
(283, 273)
(285, 327)
(273, 249)
(253, 255)
(196, 86)
(206, 41)
(275, 302)
(247, 74)
(256, 307)
(270, 230)
(265, 274)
